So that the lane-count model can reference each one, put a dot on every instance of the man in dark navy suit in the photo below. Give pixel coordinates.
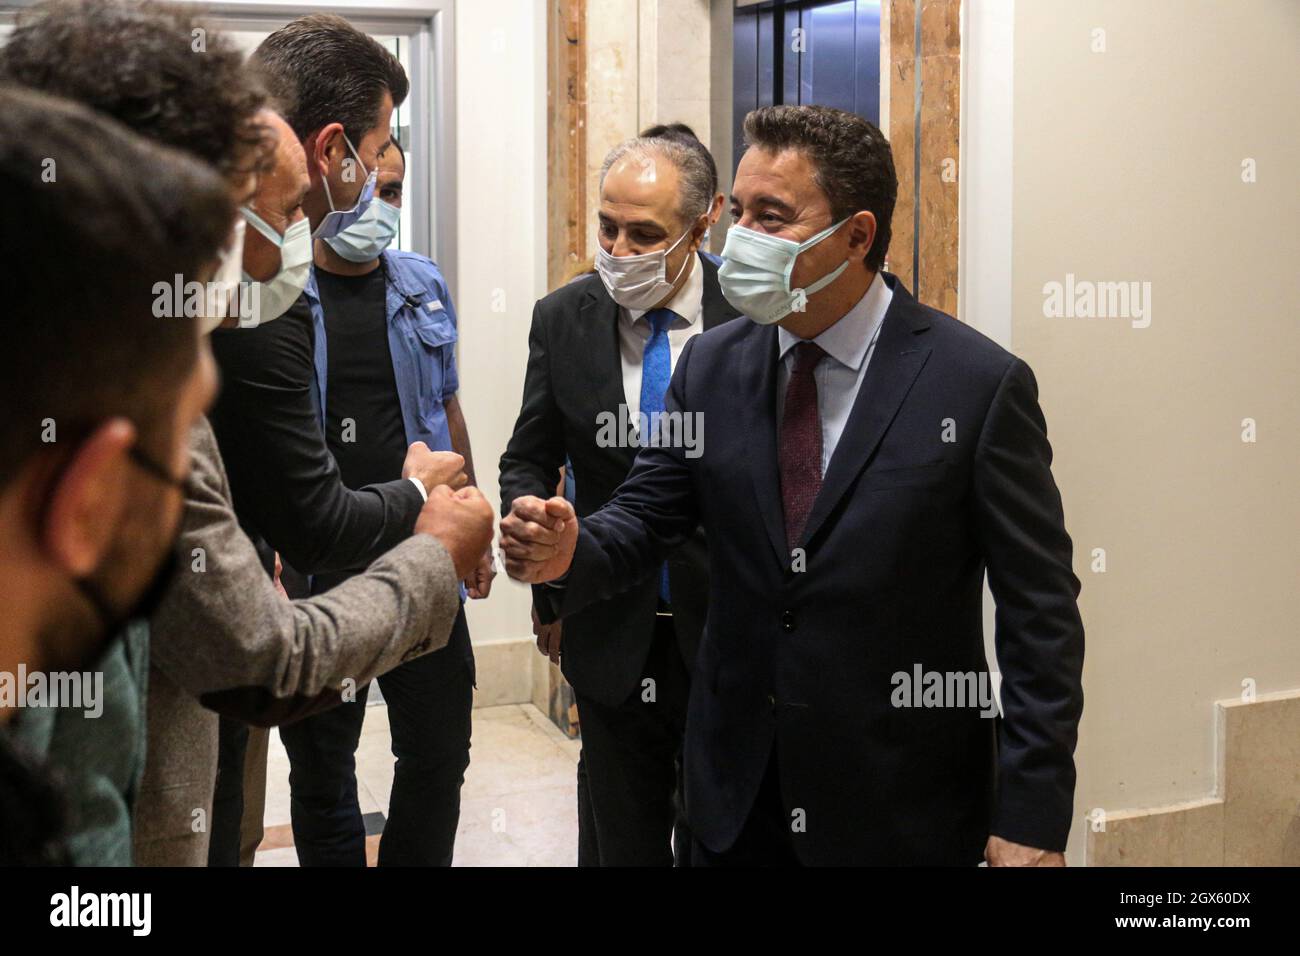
(866, 459)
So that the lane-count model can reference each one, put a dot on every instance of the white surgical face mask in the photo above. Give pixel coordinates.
(639, 282)
(756, 268)
(370, 235)
(221, 288)
(271, 299)
(336, 220)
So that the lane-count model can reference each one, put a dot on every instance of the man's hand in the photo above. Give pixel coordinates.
(1000, 852)
(479, 583)
(548, 637)
(279, 570)
(434, 468)
(462, 521)
(538, 539)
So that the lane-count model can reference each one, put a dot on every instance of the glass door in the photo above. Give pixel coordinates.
(419, 33)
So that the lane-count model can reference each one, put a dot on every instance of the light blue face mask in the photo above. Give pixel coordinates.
(756, 268)
(336, 220)
(272, 298)
(370, 235)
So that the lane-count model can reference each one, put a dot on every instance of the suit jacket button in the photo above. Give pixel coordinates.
(787, 621)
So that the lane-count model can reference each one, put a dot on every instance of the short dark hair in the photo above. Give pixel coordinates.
(684, 134)
(669, 129)
(855, 166)
(137, 62)
(94, 217)
(400, 152)
(320, 69)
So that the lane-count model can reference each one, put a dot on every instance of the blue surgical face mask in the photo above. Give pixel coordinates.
(756, 268)
(370, 235)
(272, 298)
(336, 220)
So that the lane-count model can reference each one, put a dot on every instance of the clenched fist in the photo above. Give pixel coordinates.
(462, 521)
(538, 539)
(434, 468)
(479, 583)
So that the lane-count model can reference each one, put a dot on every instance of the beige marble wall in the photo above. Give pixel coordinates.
(566, 141)
(628, 64)
(1252, 820)
(935, 257)
(674, 65)
(503, 671)
(613, 90)
(940, 120)
(1259, 774)
(898, 22)
(648, 61)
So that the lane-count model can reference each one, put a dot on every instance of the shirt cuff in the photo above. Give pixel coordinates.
(424, 495)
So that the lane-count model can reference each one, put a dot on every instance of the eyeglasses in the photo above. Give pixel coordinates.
(152, 468)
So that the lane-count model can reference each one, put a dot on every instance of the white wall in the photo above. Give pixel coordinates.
(501, 242)
(984, 252)
(1126, 165)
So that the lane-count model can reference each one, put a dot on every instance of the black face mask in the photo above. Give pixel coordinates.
(113, 619)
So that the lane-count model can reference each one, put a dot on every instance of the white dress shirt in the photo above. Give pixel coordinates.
(848, 345)
(634, 332)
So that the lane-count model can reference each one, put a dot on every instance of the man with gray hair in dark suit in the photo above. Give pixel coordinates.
(601, 352)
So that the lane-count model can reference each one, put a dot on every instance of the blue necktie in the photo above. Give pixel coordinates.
(656, 370)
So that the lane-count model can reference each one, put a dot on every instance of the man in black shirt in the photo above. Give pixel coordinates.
(363, 420)
(337, 89)
(388, 376)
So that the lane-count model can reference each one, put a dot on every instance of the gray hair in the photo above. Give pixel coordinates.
(695, 181)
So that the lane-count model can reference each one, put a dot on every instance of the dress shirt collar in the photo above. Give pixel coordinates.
(848, 339)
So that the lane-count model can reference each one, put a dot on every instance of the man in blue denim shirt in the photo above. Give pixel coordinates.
(385, 337)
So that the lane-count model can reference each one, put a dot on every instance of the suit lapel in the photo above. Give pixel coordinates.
(716, 307)
(758, 393)
(898, 358)
(598, 350)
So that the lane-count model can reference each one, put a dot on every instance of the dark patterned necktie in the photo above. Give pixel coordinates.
(801, 442)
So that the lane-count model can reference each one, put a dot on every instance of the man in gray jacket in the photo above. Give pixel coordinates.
(225, 638)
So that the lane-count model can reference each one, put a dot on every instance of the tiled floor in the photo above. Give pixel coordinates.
(518, 806)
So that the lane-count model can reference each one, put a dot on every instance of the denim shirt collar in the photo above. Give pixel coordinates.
(399, 294)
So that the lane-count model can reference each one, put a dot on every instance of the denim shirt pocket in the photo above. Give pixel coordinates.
(433, 331)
